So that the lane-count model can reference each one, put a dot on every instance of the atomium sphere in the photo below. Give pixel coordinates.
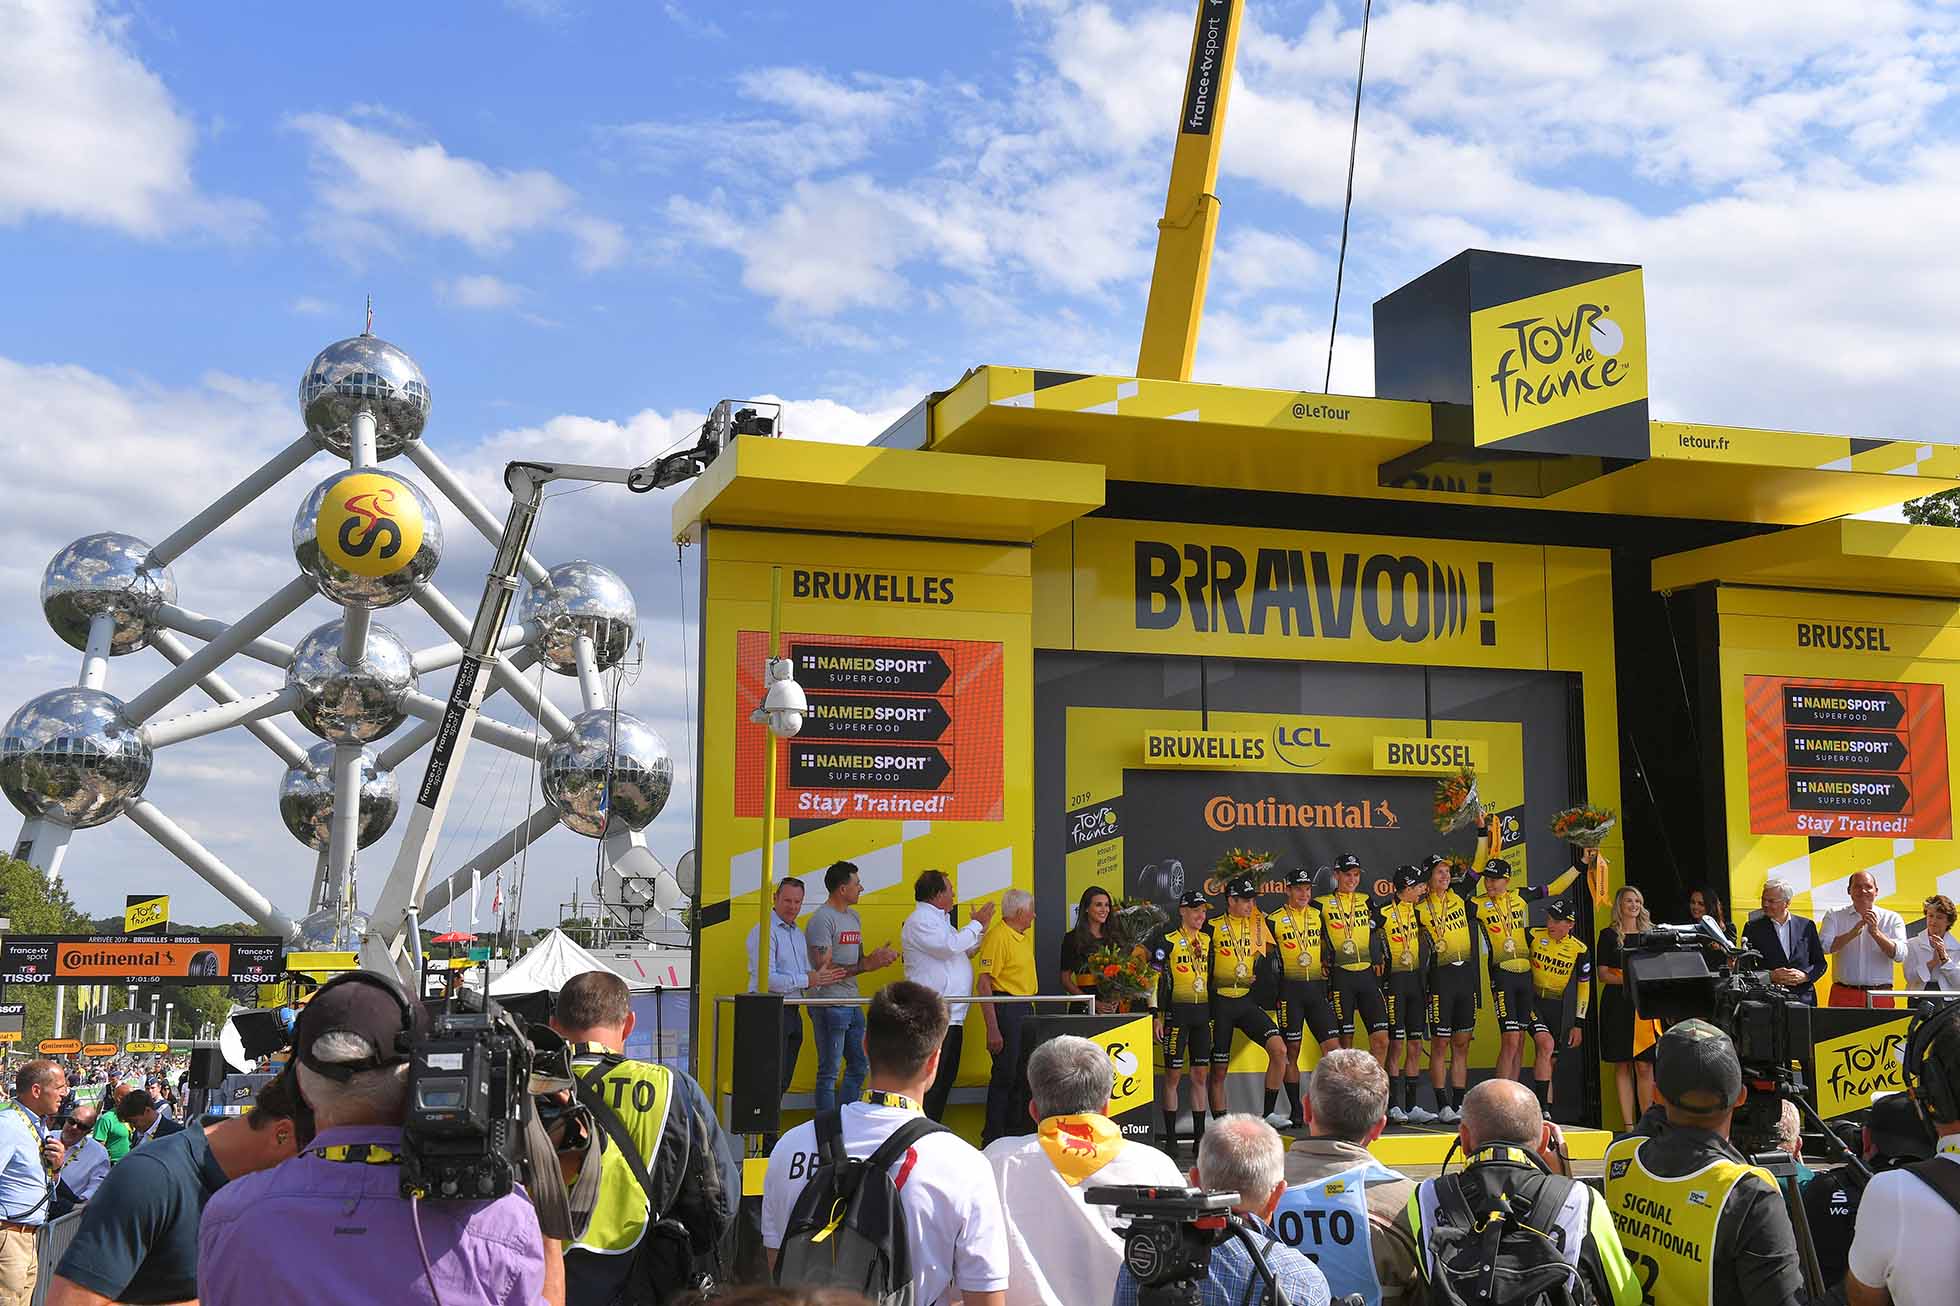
(576, 773)
(69, 756)
(364, 373)
(351, 705)
(111, 573)
(367, 519)
(306, 799)
(331, 929)
(580, 598)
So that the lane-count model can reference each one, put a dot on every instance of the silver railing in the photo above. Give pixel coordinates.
(796, 1102)
(1945, 994)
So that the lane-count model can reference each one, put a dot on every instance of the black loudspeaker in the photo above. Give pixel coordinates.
(260, 1031)
(208, 1068)
(756, 1102)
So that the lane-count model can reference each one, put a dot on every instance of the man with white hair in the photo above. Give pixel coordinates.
(1245, 1155)
(1348, 1104)
(330, 1225)
(1006, 964)
(1788, 942)
(940, 958)
(1060, 1250)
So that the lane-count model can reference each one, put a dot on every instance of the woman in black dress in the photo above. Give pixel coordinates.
(1621, 1044)
(1707, 902)
(1091, 918)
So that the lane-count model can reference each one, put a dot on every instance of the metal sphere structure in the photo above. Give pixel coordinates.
(70, 758)
(106, 573)
(612, 772)
(364, 374)
(351, 705)
(388, 518)
(306, 799)
(581, 598)
(333, 929)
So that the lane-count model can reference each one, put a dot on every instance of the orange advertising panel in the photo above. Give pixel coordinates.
(114, 960)
(59, 1047)
(1847, 758)
(897, 729)
(100, 1050)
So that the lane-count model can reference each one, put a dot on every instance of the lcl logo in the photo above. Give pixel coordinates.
(1300, 747)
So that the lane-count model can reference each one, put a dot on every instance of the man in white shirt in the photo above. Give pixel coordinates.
(1060, 1250)
(1865, 942)
(789, 967)
(954, 1229)
(938, 956)
(1932, 958)
(1903, 1250)
(87, 1163)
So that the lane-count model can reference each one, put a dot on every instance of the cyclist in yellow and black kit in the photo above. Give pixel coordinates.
(1183, 1020)
(1558, 961)
(1454, 993)
(1241, 950)
(1408, 948)
(1355, 958)
(1296, 928)
(1504, 914)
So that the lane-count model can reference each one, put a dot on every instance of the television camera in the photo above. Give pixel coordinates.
(1170, 1238)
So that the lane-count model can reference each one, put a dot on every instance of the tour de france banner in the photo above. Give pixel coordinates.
(1854, 1058)
(176, 959)
(916, 659)
(1836, 749)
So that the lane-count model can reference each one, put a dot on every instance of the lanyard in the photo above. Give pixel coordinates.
(898, 1101)
(358, 1154)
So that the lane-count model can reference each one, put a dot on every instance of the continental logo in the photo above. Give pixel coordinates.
(1848, 639)
(1224, 813)
(1312, 594)
(870, 587)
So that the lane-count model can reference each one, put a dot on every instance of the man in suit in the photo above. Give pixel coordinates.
(1788, 943)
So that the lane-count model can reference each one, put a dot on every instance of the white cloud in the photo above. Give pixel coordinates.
(826, 124)
(89, 134)
(373, 183)
(480, 291)
(309, 306)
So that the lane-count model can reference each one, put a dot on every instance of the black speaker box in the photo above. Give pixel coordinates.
(755, 1106)
(261, 1031)
(208, 1068)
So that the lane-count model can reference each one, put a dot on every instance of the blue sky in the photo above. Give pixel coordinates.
(590, 221)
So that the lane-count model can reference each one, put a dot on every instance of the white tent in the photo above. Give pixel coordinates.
(545, 968)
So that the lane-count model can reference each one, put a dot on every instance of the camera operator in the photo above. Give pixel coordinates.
(1909, 1221)
(678, 1144)
(331, 1225)
(1893, 1136)
(1698, 1221)
(29, 1158)
(1245, 1155)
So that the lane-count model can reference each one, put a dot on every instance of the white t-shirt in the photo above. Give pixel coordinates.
(953, 1223)
(1906, 1236)
(87, 1166)
(1061, 1251)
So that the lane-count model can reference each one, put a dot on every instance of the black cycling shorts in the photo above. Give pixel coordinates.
(1548, 1017)
(1358, 994)
(1452, 999)
(1187, 1034)
(1306, 1001)
(1408, 1006)
(1242, 1012)
(1510, 993)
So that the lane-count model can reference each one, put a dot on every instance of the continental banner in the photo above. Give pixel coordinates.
(1224, 591)
(178, 959)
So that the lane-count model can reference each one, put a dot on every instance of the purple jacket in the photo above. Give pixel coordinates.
(313, 1232)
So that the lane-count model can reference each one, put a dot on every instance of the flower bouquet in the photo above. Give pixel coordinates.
(1588, 827)
(1123, 973)
(1242, 861)
(1457, 804)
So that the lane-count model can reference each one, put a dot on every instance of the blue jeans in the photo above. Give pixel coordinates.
(840, 1036)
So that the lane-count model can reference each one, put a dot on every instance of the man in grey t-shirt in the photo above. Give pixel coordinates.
(836, 938)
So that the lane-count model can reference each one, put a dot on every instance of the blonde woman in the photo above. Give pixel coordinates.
(1624, 1042)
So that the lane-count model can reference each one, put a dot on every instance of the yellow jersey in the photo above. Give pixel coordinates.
(1506, 919)
(1349, 921)
(1006, 957)
(1447, 922)
(1298, 936)
(1403, 933)
(1237, 943)
(1184, 961)
(1553, 964)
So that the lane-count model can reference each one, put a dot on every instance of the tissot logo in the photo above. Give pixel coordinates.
(1313, 594)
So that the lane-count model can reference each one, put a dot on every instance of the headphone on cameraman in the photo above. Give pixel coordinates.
(395, 1055)
(1934, 1076)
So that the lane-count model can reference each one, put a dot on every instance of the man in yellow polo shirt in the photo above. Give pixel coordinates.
(1006, 968)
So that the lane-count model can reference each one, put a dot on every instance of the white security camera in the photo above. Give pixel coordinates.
(784, 705)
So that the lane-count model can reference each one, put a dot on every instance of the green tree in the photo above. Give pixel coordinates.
(36, 907)
(1942, 509)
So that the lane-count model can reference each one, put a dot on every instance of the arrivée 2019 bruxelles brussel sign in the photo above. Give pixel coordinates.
(142, 959)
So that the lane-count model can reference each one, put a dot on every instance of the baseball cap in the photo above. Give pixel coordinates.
(366, 1004)
(1407, 877)
(1898, 1131)
(1432, 861)
(1242, 886)
(1561, 910)
(1347, 862)
(1300, 875)
(1194, 899)
(1696, 1069)
(1498, 867)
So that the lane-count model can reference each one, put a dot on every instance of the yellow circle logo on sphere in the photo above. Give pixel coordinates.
(370, 524)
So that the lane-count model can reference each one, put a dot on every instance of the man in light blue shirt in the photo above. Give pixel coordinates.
(28, 1155)
(789, 967)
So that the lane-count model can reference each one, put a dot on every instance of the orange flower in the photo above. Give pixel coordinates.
(1111, 971)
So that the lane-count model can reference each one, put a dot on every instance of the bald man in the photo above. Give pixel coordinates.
(1865, 943)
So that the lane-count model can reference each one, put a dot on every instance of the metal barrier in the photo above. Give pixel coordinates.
(1944, 994)
(1084, 1000)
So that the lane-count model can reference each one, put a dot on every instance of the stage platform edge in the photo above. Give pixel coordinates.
(1415, 1146)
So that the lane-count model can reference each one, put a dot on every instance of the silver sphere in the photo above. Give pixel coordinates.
(69, 756)
(580, 598)
(364, 373)
(109, 572)
(341, 584)
(331, 929)
(351, 705)
(306, 799)
(576, 771)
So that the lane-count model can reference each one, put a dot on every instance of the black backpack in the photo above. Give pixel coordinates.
(1498, 1257)
(847, 1229)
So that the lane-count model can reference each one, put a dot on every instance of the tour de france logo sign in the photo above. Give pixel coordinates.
(1553, 358)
